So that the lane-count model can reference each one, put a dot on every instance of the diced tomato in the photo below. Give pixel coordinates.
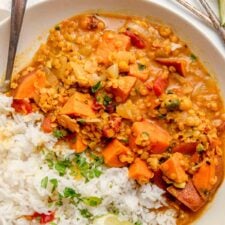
(22, 106)
(44, 218)
(135, 39)
(46, 125)
(159, 85)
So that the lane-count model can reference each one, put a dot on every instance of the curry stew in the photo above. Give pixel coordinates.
(132, 91)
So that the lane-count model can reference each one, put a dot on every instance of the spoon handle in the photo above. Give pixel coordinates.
(17, 13)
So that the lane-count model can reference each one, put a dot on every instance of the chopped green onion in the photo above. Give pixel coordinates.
(96, 87)
(44, 182)
(92, 201)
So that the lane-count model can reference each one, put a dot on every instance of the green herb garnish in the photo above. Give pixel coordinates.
(107, 100)
(141, 67)
(193, 57)
(96, 87)
(70, 193)
(138, 223)
(57, 27)
(200, 148)
(81, 121)
(92, 201)
(61, 166)
(54, 183)
(85, 213)
(44, 182)
(59, 133)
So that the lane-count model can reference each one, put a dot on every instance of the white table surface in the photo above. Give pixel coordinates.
(5, 5)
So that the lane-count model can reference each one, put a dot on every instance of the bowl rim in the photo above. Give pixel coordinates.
(157, 4)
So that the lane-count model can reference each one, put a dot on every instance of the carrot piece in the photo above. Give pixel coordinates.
(77, 144)
(22, 106)
(159, 85)
(186, 148)
(29, 85)
(178, 64)
(46, 125)
(137, 71)
(123, 90)
(79, 105)
(111, 42)
(139, 171)
(188, 196)
(113, 151)
(205, 179)
(173, 169)
(158, 138)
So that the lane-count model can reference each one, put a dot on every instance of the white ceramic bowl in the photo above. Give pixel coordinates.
(42, 16)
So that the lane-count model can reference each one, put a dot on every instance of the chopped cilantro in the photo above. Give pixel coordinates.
(61, 166)
(96, 87)
(92, 201)
(70, 193)
(200, 148)
(141, 66)
(193, 57)
(138, 223)
(107, 100)
(85, 213)
(59, 133)
(57, 27)
(54, 183)
(81, 121)
(44, 182)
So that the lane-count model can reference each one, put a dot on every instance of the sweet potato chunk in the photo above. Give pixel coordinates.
(112, 152)
(208, 177)
(29, 84)
(147, 131)
(139, 171)
(173, 169)
(111, 42)
(77, 144)
(178, 64)
(188, 196)
(79, 105)
(123, 90)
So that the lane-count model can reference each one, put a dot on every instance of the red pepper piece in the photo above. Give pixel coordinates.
(135, 39)
(159, 85)
(22, 106)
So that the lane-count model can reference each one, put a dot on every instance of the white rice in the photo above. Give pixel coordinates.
(22, 167)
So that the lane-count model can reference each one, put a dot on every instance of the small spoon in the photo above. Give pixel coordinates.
(17, 13)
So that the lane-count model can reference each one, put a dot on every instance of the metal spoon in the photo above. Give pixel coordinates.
(17, 14)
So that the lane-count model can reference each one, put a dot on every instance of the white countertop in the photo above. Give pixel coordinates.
(5, 7)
